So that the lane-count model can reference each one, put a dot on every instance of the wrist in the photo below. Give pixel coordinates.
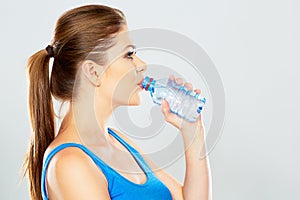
(194, 142)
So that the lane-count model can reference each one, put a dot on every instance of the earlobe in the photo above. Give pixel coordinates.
(92, 71)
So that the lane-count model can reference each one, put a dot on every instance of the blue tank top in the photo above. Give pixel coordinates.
(119, 187)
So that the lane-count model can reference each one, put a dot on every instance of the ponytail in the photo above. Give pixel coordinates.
(41, 115)
(77, 33)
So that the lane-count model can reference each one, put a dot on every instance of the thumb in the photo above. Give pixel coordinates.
(169, 116)
(165, 108)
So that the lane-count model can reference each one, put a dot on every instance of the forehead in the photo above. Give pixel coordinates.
(122, 44)
(122, 40)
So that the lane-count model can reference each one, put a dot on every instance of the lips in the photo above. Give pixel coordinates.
(140, 82)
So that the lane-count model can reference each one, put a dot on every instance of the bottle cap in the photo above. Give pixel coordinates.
(148, 84)
(200, 98)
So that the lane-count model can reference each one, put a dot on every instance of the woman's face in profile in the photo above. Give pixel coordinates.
(121, 77)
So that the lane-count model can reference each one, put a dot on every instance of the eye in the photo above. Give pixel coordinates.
(129, 54)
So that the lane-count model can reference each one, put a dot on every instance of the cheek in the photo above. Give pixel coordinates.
(125, 91)
(123, 72)
(121, 80)
(126, 94)
(126, 80)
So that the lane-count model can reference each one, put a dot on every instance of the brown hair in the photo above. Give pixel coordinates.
(78, 32)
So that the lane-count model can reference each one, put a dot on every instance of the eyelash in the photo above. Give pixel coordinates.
(128, 55)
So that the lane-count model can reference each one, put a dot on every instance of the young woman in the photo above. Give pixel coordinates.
(96, 70)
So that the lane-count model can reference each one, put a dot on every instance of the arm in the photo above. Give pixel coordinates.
(197, 183)
(72, 175)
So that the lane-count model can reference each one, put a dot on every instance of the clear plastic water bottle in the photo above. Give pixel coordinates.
(184, 103)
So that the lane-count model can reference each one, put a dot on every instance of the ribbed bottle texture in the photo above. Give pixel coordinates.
(186, 104)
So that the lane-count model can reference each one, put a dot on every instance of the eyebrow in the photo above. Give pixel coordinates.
(130, 45)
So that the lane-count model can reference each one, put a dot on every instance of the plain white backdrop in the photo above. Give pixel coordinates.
(255, 46)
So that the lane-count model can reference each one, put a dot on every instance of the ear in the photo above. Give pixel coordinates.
(92, 71)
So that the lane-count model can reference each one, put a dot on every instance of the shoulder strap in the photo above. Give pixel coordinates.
(95, 158)
(133, 151)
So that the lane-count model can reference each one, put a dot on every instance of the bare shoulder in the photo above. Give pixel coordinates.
(72, 174)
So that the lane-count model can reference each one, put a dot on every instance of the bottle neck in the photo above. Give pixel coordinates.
(148, 84)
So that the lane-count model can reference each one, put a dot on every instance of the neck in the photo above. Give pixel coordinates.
(89, 120)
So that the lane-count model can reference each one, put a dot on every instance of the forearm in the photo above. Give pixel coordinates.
(197, 182)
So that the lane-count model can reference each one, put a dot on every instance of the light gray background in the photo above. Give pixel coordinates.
(255, 46)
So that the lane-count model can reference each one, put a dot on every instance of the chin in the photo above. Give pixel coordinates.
(134, 104)
(134, 100)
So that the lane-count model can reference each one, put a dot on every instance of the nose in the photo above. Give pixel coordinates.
(140, 64)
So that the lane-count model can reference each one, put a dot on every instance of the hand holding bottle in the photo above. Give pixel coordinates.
(174, 119)
(183, 102)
